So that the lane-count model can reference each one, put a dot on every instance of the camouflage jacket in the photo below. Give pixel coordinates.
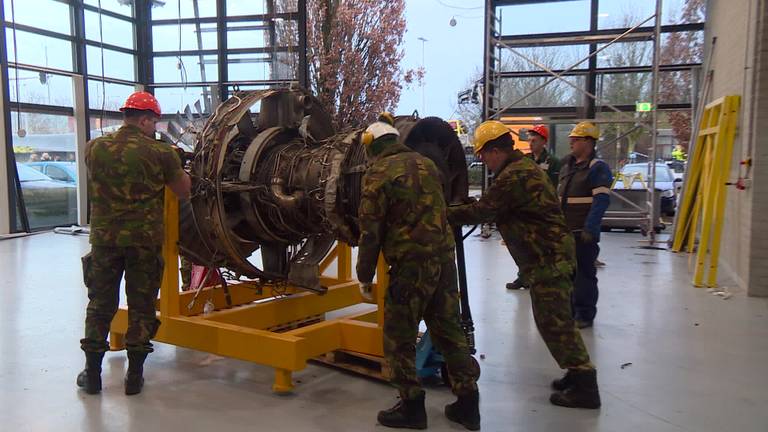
(127, 172)
(402, 212)
(523, 204)
(549, 163)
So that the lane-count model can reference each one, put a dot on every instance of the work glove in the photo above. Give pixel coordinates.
(366, 291)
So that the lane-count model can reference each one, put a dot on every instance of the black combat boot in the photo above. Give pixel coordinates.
(581, 390)
(564, 382)
(90, 378)
(408, 413)
(516, 285)
(134, 379)
(466, 410)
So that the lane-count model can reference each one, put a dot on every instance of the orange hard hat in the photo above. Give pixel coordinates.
(541, 130)
(142, 101)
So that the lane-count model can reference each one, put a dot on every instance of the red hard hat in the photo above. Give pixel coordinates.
(541, 130)
(142, 101)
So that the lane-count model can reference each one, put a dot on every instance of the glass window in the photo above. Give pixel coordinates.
(27, 12)
(675, 87)
(555, 94)
(49, 139)
(562, 146)
(186, 69)
(554, 57)
(40, 88)
(682, 47)
(616, 152)
(286, 6)
(561, 16)
(240, 7)
(121, 7)
(625, 13)
(286, 65)
(113, 95)
(166, 37)
(113, 30)
(169, 9)
(624, 89)
(261, 66)
(683, 12)
(116, 64)
(622, 54)
(100, 125)
(173, 99)
(286, 32)
(39, 50)
(253, 34)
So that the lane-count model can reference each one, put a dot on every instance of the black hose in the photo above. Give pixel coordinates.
(466, 314)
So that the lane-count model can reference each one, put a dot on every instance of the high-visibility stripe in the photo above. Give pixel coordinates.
(579, 200)
(601, 189)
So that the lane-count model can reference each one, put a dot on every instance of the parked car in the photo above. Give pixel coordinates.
(57, 170)
(48, 202)
(665, 183)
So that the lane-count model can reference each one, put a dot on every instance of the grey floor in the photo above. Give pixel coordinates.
(693, 361)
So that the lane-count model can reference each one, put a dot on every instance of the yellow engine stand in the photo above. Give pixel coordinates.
(247, 329)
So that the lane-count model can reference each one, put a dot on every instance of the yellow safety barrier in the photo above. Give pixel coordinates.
(635, 177)
(279, 326)
(704, 191)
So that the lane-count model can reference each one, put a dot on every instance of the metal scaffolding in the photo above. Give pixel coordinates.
(496, 43)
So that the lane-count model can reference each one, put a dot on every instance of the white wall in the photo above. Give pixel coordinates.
(738, 70)
(758, 283)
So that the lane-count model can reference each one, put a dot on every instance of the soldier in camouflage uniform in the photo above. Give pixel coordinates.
(127, 173)
(537, 138)
(523, 204)
(402, 214)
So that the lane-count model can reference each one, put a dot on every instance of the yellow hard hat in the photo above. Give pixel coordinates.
(387, 117)
(488, 131)
(585, 129)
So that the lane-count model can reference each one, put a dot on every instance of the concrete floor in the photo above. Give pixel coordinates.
(694, 362)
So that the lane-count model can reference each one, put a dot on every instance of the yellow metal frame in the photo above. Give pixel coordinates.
(246, 329)
(620, 177)
(704, 193)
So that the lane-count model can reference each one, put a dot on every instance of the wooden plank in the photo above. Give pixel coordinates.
(361, 364)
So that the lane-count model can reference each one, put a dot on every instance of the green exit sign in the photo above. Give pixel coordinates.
(643, 106)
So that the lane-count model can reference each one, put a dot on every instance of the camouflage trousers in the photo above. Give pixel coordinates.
(427, 290)
(103, 270)
(551, 302)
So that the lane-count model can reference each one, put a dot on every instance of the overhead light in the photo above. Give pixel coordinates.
(452, 22)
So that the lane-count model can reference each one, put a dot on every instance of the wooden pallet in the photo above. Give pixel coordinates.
(358, 363)
(292, 325)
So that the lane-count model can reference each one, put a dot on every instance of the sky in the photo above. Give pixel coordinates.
(452, 55)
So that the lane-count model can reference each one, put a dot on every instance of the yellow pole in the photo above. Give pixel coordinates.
(731, 109)
(169, 289)
(344, 261)
(283, 381)
(709, 189)
(691, 188)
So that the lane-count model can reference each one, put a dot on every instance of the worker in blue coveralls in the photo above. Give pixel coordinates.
(584, 189)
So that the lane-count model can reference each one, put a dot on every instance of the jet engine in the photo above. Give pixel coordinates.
(275, 185)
